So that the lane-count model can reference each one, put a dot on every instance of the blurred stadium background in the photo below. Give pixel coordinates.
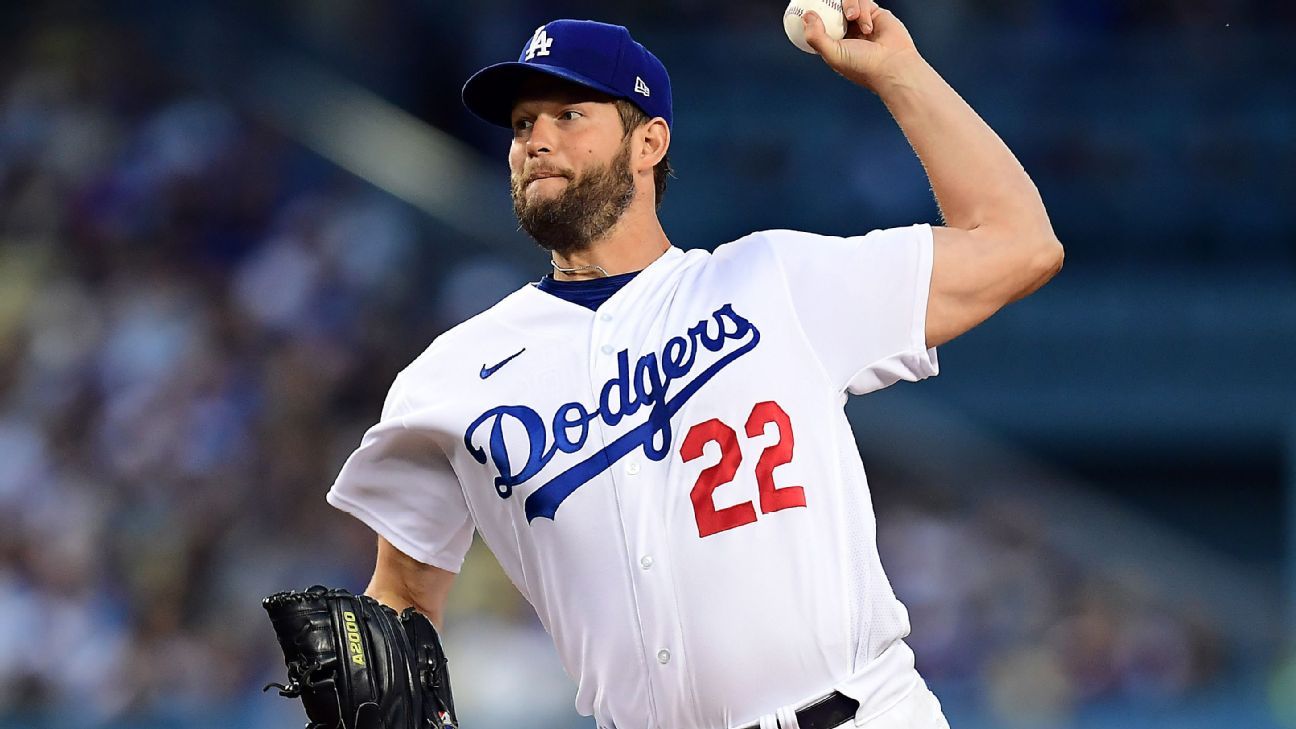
(225, 226)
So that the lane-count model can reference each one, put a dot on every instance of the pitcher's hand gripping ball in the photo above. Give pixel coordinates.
(830, 11)
(356, 664)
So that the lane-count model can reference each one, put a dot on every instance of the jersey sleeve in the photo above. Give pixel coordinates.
(862, 302)
(400, 483)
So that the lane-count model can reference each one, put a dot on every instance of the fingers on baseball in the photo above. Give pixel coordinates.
(816, 36)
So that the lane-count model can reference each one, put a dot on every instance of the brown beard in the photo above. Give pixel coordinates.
(586, 209)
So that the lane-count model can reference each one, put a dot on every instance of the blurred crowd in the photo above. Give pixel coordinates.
(197, 322)
(198, 319)
(999, 613)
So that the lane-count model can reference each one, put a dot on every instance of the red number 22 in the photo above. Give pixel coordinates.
(772, 498)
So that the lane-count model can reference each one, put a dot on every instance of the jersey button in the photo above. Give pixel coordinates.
(646, 561)
(663, 656)
(605, 317)
(606, 349)
(632, 468)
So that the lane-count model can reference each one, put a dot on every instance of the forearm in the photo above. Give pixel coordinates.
(400, 582)
(977, 180)
(399, 597)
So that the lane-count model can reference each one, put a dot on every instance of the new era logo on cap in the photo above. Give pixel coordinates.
(595, 55)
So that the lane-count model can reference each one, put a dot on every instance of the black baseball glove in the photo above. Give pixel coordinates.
(356, 664)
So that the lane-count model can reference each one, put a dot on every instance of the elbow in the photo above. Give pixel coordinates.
(1041, 264)
(1047, 259)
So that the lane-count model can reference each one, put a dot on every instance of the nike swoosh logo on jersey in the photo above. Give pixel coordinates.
(488, 371)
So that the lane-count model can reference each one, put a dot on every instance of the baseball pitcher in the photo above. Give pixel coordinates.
(651, 440)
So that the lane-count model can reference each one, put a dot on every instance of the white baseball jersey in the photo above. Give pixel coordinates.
(671, 480)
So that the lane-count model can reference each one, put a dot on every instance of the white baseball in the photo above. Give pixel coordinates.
(834, 20)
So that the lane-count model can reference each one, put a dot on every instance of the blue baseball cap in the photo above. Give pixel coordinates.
(595, 55)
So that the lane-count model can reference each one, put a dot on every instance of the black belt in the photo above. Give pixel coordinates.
(831, 711)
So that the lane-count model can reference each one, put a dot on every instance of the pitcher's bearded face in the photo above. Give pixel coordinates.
(565, 212)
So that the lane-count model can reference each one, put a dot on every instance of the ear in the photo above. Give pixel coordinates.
(653, 141)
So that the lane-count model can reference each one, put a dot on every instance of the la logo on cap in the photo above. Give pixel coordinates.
(540, 43)
(640, 86)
